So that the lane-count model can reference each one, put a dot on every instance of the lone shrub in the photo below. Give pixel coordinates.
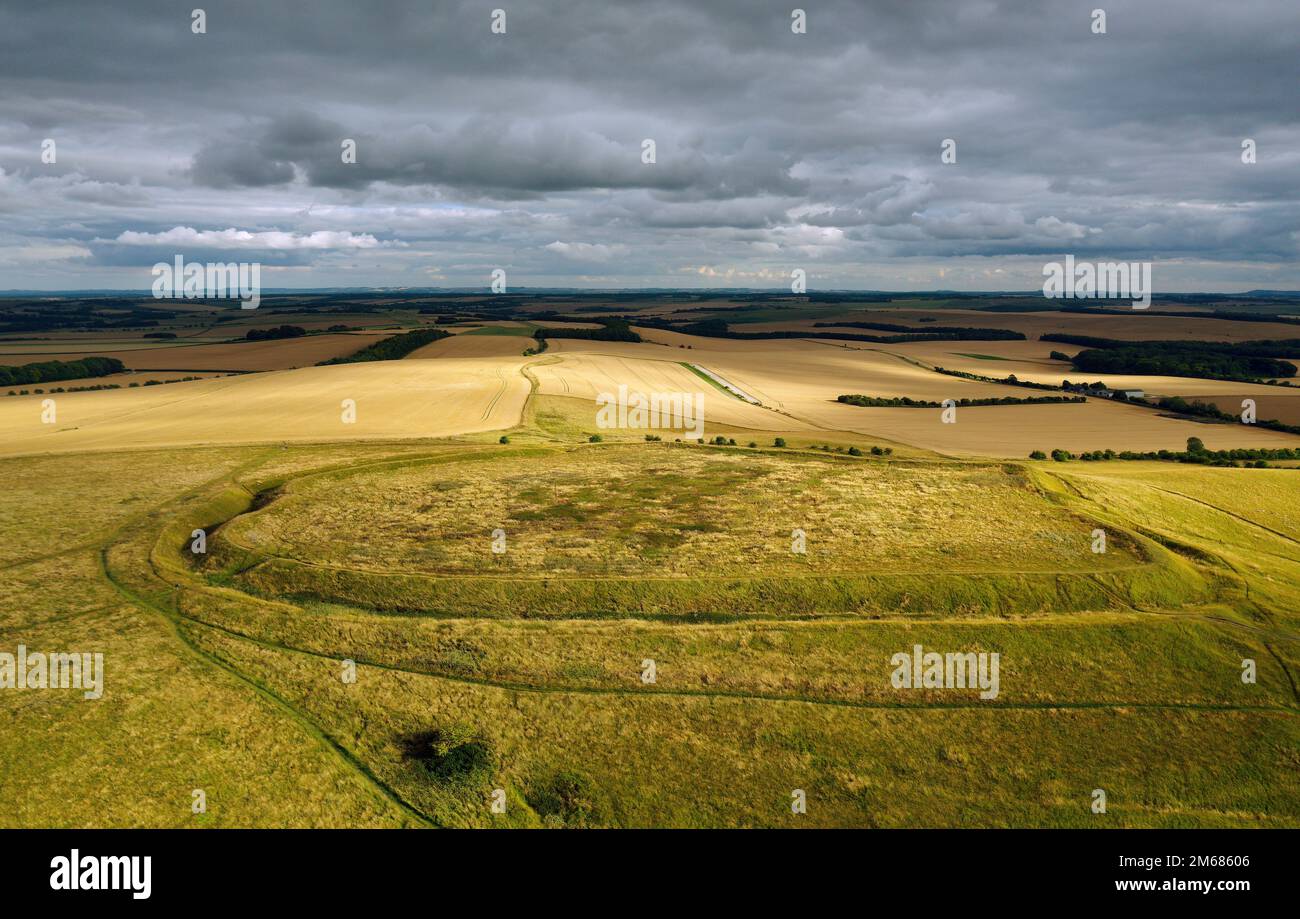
(570, 798)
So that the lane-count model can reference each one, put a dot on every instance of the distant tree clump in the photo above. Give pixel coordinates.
(908, 402)
(280, 331)
(610, 330)
(54, 371)
(1254, 458)
(718, 328)
(1212, 360)
(1206, 365)
(391, 349)
(932, 333)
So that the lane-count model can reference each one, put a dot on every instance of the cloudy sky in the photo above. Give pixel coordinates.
(773, 150)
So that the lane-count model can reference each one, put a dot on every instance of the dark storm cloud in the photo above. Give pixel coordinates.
(773, 149)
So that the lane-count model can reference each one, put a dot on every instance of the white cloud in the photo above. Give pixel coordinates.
(586, 252)
(264, 239)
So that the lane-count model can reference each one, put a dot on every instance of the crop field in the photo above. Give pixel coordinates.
(475, 590)
(198, 355)
(475, 344)
(1132, 325)
(392, 399)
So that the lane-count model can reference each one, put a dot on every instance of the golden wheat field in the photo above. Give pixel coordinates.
(478, 382)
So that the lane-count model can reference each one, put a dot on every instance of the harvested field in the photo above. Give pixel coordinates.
(393, 399)
(280, 354)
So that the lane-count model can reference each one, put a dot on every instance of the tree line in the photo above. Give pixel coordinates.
(53, 371)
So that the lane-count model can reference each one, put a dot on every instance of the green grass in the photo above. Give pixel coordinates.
(1119, 671)
(169, 720)
(670, 531)
(712, 382)
(665, 760)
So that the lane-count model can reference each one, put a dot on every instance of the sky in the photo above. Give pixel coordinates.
(774, 150)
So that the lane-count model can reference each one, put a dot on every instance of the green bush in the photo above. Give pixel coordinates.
(570, 798)
(453, 753)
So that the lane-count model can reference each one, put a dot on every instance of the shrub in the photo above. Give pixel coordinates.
(569, 797)
(779, 442)
(452, 753)
(504, 439)
(1038, 455)
(854, 451)
(594, 439)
